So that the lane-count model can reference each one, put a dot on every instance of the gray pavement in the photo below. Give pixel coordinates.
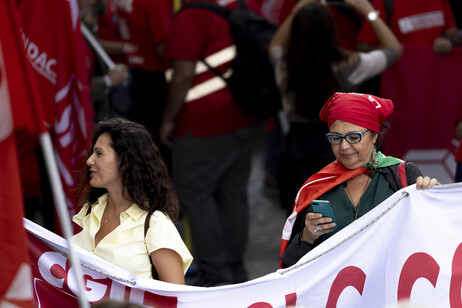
(266, 221)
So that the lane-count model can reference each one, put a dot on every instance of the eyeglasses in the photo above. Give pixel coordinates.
(351, 138)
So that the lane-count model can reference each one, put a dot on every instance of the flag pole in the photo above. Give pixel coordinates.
(97, 46)
(63, 213)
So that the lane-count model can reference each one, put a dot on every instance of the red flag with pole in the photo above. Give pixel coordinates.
(56, 50)
(19, 111)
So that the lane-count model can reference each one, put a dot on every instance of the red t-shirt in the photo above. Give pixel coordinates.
(149, 24)
(195, 34)
(414, 22)
(108, 30)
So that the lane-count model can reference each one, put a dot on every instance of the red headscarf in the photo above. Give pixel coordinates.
(365, 110)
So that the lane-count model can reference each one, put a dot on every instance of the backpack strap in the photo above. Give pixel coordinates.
(402, 173)
(389, 4)
(242, 5)
(147, 222)
(210, 6)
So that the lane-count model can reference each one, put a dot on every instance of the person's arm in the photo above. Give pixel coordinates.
(281, 37)
(459, 129)
(443, 44)
(169, 265)
(422, 182)
(386, 37)
(118, 47)
(182, 79)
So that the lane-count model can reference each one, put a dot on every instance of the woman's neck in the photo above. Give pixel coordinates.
(117, 203)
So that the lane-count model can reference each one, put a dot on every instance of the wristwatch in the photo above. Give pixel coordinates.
(373, 15)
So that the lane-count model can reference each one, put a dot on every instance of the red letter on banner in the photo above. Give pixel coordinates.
(349, 276)
(291, 299)
(418, 265)
(456, 279)
(260, 305)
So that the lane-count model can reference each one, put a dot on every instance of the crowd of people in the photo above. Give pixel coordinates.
(169, 140)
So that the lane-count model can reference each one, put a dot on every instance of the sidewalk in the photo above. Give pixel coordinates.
(266, 221)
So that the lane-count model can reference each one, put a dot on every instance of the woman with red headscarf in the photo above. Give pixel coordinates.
(359, 179)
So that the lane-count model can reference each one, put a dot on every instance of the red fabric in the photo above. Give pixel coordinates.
(196, 34)
(317, 185)
(365, 110)
(425, 97)
(286, 9)
(14, 261)
(56, 49)
(402, 174)
(149, 25)
(108, 30)
(346, 28)
(28, 118)
(404, 9)
(13, 255)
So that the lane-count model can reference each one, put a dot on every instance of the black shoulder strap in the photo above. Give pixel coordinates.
(389, 5)
(147, 222)
(211, 6)
(242, 5)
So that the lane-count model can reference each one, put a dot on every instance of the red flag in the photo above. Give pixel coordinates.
(16, 282)
(56, 50)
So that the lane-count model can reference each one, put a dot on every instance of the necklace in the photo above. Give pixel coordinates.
(108, 218)
(351, 199)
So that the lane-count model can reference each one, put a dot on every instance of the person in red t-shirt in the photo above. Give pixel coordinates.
(212, 139)
(416, 22)
(148, 23)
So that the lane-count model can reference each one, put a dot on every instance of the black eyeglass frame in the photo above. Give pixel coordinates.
(345, 137)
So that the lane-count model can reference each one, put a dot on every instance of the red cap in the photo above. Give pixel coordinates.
(365, 110)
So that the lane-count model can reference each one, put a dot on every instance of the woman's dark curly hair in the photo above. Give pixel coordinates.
(145, 179)
(313, 47)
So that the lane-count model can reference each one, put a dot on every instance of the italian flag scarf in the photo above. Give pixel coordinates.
(323, 181)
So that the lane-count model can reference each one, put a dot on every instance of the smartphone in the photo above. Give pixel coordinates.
(325, 208)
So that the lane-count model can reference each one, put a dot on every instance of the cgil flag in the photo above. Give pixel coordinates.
(55, 48)
(17, 105)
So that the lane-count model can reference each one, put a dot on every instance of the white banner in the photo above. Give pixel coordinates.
(407, 247)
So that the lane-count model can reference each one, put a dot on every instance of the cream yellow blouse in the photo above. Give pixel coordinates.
(126, 246)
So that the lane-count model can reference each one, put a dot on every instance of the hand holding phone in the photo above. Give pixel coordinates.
(325, 208)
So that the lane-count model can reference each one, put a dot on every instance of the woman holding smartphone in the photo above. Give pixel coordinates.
(310, 65)
(359, 179)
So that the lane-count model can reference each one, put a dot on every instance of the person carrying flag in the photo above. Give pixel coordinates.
(359, 179)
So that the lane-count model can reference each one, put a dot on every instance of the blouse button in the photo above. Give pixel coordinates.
(123, 215)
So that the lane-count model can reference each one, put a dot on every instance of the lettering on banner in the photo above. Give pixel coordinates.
(291, 300)
(455, 298)
(418, 265)
(349, 276)
(55, 270)
(40, 60)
